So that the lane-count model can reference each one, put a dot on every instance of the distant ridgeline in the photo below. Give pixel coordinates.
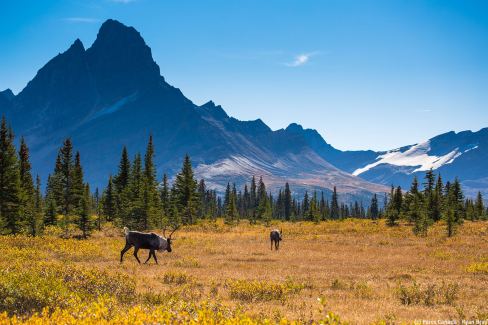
(136, 199)
(112, 94)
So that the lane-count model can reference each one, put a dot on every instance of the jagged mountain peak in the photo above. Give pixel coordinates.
(121, 62)
(77, 46)
(7, 94)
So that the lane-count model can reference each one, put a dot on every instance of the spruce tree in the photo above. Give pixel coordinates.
(38, 202)
(305, 205)
(454, 212)
(334, 205)
(66, 170)
(438, 200)
(85, 223)
(109, 201)
(185, 193)
(96, 208)
(165, 199)
(374, 207)
(27, 191)
(287, 202)
(479, 207)
(253, 196)
(202, 211)
(394, 206)
(231, 206)
(78, 185)
(413, 204)
(152, 205)
(9, 181)
(121, 180)
(134, 210)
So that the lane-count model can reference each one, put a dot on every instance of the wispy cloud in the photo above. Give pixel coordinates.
(425, 110)
(301, 59)
(85, 20)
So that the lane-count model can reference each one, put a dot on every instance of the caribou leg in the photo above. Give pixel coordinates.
(136, 249)
(150, 253)
(123, 251)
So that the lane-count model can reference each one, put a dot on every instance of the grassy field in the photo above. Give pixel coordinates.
(361, 271)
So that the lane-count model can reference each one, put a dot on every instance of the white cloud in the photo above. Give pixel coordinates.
(82, 20)
(301, 59)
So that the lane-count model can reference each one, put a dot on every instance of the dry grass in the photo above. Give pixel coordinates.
(362, 270)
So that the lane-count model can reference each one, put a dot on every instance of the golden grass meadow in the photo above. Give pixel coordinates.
(334, 272)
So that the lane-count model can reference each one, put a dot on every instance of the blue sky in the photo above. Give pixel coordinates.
(365, 74)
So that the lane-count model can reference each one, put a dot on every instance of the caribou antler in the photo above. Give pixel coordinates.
(173, 231)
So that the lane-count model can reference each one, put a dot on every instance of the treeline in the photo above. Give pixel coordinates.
(434, 202)
(135, 198)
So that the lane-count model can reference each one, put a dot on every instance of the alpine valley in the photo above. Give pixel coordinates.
(112, 94)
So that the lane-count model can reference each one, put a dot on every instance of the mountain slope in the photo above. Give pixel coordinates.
(463, 155)
(112, 94)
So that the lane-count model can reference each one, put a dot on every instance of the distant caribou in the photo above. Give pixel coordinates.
(276, 236)
(143, 240)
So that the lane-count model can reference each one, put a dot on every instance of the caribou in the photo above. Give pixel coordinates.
(144, 240)
(276, 236)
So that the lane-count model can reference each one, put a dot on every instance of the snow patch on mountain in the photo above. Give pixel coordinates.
(114, 107)
(416, 155)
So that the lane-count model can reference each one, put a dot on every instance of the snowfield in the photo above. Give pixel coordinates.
(416, 155)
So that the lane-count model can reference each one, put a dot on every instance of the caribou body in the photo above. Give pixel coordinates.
(142, 240)
(275, 237)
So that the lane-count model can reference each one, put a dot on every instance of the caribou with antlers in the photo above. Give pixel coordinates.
(150, 241)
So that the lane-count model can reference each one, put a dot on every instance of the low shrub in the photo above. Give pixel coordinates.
(174, 277)
(480, 268)
(252, 290)
(428, 295)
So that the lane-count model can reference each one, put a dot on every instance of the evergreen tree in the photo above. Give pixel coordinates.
(231, 207)
(109, 201)
(411, 204)
(253, 196)
(374, 207)
(287, 202)
(314, 213)
(395, 206)
(96, 202)
(202, 189)
(54, 190)
(438, 200)
(455, 206)
(38, 202)
(121, 180)
(152, 215)
(185, 193)
(85, 223)
(305, 205)
(66, 176)
(479, 207)
(134, 208)
(50, 216)
(334, 206)
(78, 186)
(165, 199)
(27, 191)
(9, 181)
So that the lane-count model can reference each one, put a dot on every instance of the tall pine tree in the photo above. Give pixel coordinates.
(9, 181)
